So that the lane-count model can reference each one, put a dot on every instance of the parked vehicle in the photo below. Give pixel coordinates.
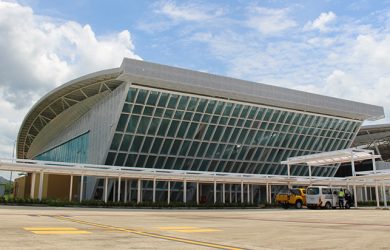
(326, 197)
(291, 197)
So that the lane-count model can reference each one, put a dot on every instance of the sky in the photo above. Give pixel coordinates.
(335, 48)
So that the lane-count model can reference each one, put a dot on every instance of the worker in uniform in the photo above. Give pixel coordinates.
(341, 198)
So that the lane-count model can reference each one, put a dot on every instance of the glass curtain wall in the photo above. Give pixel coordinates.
(171, 130)
(74, 150)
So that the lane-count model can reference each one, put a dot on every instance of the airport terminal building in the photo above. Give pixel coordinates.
(147, 115)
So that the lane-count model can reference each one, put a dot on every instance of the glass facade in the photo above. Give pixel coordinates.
(171, 130)
(75, 150)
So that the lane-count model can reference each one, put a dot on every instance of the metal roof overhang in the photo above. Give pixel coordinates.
(334, 157)
(63, 168)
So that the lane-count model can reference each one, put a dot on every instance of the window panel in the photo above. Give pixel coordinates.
(173, 101)
(131, 95)
(137, 142)
(156, 145)
(126, 142)
(122, 122)
(143, 125)
(141, 97)
(116, 140)
(147, 143)
(152, 100)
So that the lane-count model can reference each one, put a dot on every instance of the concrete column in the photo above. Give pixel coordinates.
(154, 190)
(70, 188)
(384, 195)
(125, 198)
(40, 191)
(197, 193)
(355, 194)
(81, 187)
(32, 188)
(113, 190)
(119, 189)
(223, 193)
(215, 191)
(365, 193)
(105, 189)
(242, 192)
(185, 191)
(129, 190)
(377, 195)
(248, 193)
(139, 191)
(169, 192)
(230, 193)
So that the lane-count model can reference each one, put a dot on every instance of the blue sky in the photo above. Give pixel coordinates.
(336, 48)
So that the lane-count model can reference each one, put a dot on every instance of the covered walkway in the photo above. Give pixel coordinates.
(362, 179)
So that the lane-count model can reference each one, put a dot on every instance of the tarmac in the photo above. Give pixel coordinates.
(101, 228)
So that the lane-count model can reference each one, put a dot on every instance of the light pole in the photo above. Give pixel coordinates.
(13, 155)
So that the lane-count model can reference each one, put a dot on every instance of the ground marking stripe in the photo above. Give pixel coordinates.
(200, 230)
(61, 232)
(176, 228)
(154, 235)
(50, 228)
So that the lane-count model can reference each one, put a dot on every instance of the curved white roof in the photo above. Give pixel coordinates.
(160, 76)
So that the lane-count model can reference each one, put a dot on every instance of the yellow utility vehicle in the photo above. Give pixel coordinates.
(291, 197)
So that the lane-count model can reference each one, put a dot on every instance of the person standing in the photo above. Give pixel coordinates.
(341, 198)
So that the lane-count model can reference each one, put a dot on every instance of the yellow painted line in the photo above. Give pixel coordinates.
(154, 235)
(200, 230)
(175, 228)
(50, 228)
(61, 232)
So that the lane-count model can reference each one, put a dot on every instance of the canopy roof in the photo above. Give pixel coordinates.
(334, 157)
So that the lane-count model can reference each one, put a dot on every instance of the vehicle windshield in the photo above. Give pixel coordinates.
(295, 191)
(313, 190)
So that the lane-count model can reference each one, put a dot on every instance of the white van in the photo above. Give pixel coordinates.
(324, 197)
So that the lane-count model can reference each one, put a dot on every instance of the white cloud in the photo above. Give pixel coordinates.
(39, 53)
(188, 11)
(322, 22)
(270, 21)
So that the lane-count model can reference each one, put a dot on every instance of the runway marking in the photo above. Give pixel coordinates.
(55, 230)
(148, 234)
(189, 229)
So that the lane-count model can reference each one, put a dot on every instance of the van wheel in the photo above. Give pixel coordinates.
(298, 204)
(328, 205)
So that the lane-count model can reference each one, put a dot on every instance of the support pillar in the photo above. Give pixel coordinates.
(129, 190)
(230, 193)
(377, 195)
(40, 190)
(139, 191)
(197, 193)
(119, 189)
(215, 191)
(185, 191)
(310, 173)
(365, 193)
(154, 190)
(355, 195)
(125, 197)
(105, 189)
(32, 188)
(70, 188)
(384, 195)
(267, 191)
(169, 192)
(242, 192)
(248, 193)
(81, 187)
(223, 193)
